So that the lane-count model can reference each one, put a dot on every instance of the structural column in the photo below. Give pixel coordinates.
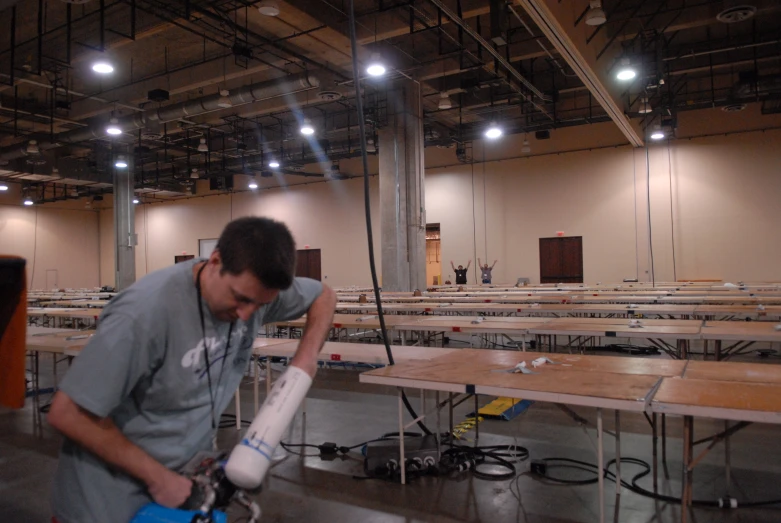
(402, 199)
(124, 225)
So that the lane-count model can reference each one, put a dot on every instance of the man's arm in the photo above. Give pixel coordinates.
(453, 266)
(494, 265)
(101, 437)
(319, 320)
(469, 264)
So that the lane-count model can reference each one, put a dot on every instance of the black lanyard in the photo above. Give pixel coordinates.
(206, 349)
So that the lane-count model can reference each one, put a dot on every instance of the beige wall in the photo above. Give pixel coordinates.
(327, 216)
(58, 237)
(721, 189)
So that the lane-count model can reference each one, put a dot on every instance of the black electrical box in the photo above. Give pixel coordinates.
(158, 95)
(221, 183)
(542, 135)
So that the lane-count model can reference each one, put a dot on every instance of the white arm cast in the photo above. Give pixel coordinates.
(250, 460)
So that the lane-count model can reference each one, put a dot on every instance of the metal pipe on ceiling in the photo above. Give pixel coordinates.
(493, 52)
(242, 95)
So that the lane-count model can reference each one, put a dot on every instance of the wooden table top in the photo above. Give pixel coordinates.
(352, 321)
(733, 371)
(479, 372)
(355, 352)
(646, 330)
(64, 313)
(741, 331)
(728, 400)
(58, 342)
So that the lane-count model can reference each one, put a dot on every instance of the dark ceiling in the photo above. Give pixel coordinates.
(489, 58)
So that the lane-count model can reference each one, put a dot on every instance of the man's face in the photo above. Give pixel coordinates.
(235, 296)
(485, 266)
(460, 267)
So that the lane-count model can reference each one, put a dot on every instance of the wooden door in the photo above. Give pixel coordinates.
(561, 260)
(308, 263)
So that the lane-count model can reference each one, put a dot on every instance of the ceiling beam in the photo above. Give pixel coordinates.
(552, 18)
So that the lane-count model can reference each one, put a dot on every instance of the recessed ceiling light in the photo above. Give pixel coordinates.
(113, 127)
(273, 164)
(103, 67)
(307, 128)
(493, 132)
(375, 67)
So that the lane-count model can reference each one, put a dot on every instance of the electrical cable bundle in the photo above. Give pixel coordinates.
(541, 468)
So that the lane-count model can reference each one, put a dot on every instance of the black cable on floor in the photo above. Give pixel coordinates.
(632, 485)
(367, 207)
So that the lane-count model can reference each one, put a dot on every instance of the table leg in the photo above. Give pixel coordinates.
(655, 447)
(402, 458)
(618, 455)
(238, 409)
(727, 462)
(450, 416)
(477, 424)
(268, 378)
(686, 495)
(439, 431)
(256, 384)
(664, 445)
(601, 466)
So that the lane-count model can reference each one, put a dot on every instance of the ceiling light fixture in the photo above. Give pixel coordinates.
(644, 106)
(493, 132)
(307, 128)
(268, 8)
(596, 15)
(252, 183)
(224, 101)
(28, 201)
(135, 200)
(194, 174)
(444, 102)
(375, 67)
(103, 67)
(202, 147)
(32, 147)
(113, 127)
(526, 149)
(3, 187)
(371, 147)
(657, 133)
(625, 70)
(121, 163)
(273, 164)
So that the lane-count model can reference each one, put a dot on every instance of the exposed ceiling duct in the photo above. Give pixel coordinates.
(196, 106)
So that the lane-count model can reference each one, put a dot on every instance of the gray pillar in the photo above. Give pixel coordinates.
(124, 225)
(402, 204)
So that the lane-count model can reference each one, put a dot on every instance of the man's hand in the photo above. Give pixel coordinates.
(170, 489)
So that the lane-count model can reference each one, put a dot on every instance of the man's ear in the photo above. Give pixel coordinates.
(215, 259)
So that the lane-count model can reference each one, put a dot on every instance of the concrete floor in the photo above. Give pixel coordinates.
(341, 410)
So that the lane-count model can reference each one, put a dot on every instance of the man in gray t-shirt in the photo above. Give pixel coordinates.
(485, 270)
(146, 394)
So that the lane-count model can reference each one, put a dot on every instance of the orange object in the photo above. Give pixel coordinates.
(13, 330)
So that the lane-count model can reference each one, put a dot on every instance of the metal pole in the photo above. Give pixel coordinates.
(601, 466)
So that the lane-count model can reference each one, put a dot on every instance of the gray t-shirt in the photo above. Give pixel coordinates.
(486, 273)
(145, 369)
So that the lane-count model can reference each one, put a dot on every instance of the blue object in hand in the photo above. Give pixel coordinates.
(154, 513)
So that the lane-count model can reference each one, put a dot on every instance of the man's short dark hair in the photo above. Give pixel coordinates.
(263, 247)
